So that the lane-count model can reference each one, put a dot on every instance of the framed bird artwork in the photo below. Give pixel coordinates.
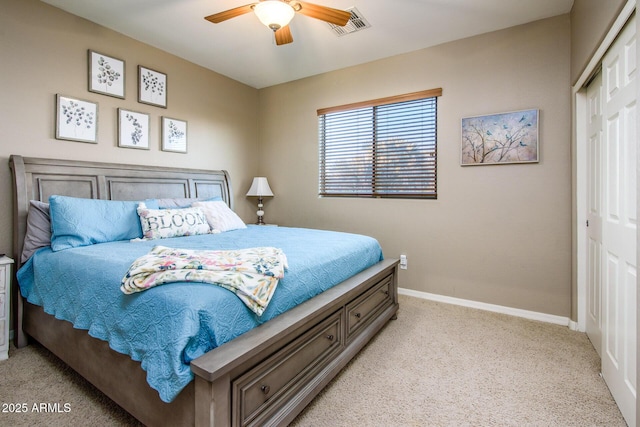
(500, 138)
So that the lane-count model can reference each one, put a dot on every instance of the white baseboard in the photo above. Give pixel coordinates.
(532, 315)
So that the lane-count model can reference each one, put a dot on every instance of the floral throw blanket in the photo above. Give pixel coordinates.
(252, 274)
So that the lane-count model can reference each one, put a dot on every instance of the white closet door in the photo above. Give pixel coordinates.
(619, 221)
(594, 213)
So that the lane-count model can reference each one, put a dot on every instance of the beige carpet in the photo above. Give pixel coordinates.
(437, 365)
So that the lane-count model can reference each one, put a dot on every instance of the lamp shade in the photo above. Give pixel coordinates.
(275, 14)
(260, 187)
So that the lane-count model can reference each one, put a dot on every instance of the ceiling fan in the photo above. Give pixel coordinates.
(276, 14)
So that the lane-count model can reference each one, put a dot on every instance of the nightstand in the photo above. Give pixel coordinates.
(5, 302)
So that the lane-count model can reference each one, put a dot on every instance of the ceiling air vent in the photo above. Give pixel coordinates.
(357, 22)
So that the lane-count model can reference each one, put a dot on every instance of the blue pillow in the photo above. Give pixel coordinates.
(179, 203)
(82, 222)
(151, 203)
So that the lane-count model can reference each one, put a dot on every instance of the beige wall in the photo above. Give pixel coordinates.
(43, 51)
(590, 22)
(496, 234)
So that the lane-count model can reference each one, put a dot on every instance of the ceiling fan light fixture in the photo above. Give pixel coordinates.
(275, 14)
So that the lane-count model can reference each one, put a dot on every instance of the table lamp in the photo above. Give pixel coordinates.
(260, 188)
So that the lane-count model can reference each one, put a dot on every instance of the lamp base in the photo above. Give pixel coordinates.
(260, 212)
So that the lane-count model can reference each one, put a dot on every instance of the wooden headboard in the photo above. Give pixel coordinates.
(37, 179)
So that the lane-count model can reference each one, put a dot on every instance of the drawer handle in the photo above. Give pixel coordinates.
(265, 389)
(330, 337)
(386, 292)
(357, 315)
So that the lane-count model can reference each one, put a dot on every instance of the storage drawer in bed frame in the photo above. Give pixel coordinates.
(259, 391)
(363, 309)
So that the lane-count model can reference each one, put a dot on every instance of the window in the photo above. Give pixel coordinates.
(380, 148)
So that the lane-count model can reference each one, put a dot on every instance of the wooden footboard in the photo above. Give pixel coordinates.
(268, 375)
(264, 377)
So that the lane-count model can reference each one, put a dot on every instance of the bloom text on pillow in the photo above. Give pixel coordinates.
(165, 223)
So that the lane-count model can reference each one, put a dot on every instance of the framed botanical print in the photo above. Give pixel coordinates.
(174, 135)
(152, 87)
(76, 119)
(106, 75)
(133, 129)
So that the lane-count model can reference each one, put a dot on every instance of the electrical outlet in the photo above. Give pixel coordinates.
(403, 262)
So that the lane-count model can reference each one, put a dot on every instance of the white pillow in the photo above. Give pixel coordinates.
(219, 216)
(165, 223)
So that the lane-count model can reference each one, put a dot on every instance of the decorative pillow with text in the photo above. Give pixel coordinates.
(165, 223)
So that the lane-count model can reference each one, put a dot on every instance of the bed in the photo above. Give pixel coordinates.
(264, 376)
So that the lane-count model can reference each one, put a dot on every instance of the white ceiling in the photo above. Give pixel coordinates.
(243, 49)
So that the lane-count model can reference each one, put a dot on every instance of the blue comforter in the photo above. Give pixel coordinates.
(167, 327)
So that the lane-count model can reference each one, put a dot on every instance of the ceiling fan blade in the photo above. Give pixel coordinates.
(324, 13)
(283, 35)
(216, 18)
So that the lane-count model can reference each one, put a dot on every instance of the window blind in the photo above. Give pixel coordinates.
(381, 149)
